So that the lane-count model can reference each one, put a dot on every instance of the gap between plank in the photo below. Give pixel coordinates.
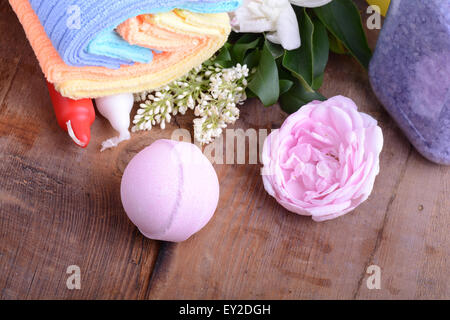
(383, 225)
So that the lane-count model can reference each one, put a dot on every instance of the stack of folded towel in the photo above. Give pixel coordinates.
(96, 48)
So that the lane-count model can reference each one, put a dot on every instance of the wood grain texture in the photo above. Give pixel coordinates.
(60, 206)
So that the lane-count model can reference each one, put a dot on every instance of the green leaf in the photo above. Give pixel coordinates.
(250, 94)
(285, 85)
(239, 49)
(300, 61)
(223, 58)
(248, 37)
(252, 59)
(342, 19)
(276, 50)
(321, 49)
(265, 83)
(318, 81)
(336, 45)
(297, 97)
(224, 53)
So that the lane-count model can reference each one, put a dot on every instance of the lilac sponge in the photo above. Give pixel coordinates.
(170, 190)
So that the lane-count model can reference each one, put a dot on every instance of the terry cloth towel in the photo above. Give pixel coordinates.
(186, 39)
(100, 17)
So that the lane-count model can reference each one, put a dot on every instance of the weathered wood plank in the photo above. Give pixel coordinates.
(414, 248)
(60, 205)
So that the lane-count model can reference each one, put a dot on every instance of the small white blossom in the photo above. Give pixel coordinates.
(213, 92)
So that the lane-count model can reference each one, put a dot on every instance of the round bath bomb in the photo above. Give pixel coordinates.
(170, 190)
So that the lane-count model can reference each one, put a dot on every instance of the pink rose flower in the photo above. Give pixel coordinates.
(323, 160)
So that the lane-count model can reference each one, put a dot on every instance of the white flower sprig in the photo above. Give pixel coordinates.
(212, 91)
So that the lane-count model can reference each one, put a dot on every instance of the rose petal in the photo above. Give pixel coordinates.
(341, 121)
(294, 208)
(374, 140)
(332, 216)
(302, 151)
(267, 181)
(368, 120)
(329, 209)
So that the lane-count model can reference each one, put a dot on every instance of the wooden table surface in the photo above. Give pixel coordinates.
(60, 206)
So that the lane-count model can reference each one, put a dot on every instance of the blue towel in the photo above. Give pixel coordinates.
(99, 18)
(110, 44)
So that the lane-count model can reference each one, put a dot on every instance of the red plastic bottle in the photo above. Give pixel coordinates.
(74, 116)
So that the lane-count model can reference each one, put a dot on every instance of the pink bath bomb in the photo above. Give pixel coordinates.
(170, 190)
